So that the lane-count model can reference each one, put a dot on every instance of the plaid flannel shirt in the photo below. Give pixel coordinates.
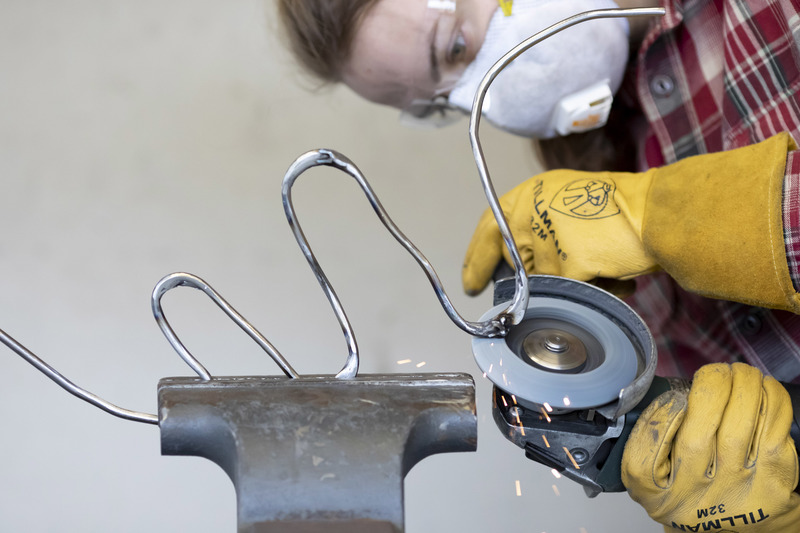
(715, 75)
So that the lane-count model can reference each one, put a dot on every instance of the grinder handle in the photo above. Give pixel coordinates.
(610, 474)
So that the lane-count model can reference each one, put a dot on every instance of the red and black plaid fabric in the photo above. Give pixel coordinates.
(715, 75)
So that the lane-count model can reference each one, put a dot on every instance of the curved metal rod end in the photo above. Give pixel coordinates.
(519, 305)
(71, 387)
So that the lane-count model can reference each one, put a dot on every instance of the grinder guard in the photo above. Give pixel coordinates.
(584, 444)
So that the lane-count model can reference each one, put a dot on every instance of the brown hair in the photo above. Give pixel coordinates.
(320, 33)
(611, 147)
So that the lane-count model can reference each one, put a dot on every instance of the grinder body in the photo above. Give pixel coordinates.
(572, 378)
(583, 445)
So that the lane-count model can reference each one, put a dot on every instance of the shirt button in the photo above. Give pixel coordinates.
(752, 323)
(662, 85)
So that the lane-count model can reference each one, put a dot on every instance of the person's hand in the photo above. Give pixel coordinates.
(719, 458)
(579, 225)
(713, 222)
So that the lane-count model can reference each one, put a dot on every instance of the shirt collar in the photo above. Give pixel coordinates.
(672, 18)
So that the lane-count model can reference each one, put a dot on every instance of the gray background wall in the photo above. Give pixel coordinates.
(142, 138)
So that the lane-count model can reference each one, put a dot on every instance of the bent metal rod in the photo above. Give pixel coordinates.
(496, 326)
(499, 324)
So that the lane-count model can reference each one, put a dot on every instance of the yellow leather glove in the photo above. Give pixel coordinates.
(719, 458)
(712, 221)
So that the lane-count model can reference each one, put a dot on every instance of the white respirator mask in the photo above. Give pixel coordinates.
(562, 85)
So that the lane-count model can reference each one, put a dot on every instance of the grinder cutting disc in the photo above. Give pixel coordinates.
(563, 353)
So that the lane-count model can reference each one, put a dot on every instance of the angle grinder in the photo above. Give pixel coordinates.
(571, 379)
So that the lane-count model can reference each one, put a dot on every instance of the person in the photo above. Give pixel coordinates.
(690, 185)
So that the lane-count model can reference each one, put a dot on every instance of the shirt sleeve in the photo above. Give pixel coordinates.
(791, 216)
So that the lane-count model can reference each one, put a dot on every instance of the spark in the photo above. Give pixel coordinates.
(403, 361)
(484, 374)
(519, 489)
(555, 489)
(566, 401)
(514, 398)
(420, 365)
(505, 403)
(491, 366)
(501, 361)
(574, 463)
(556, 473)
(504, 379)
(545, 441)
(547, 406)
(546, 415)
(521, 427)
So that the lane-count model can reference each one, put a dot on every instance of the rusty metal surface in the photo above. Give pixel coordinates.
(318, 453)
